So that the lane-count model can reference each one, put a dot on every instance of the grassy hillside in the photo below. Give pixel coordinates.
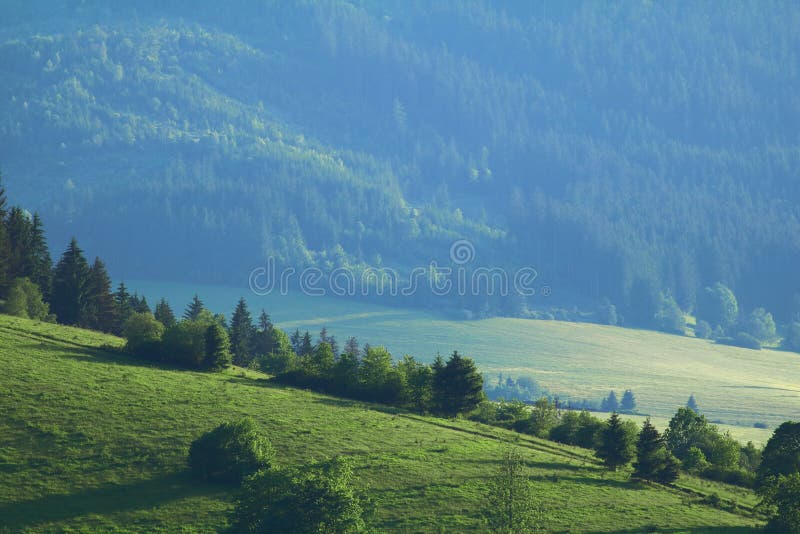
(736, 386)
(90, 440)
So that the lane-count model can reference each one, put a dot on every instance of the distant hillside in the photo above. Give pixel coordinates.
(93, 441)
(611, 147)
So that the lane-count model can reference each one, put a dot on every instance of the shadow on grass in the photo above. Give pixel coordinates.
(667, 530)
(106, 499)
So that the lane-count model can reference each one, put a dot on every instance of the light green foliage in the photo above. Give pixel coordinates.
(143, 333)
(781, 499)
(511, 507)
(218, 348)
(718, 306)
(695, 461)
(25, 300)
(543, 417)
(103, 440)
(760, 325)
(320, 499)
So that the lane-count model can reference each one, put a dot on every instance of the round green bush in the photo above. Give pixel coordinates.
(230, 453)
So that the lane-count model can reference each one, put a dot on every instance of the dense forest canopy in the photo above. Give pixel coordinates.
(619, 148)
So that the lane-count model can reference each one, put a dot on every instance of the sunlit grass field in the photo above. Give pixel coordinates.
(93, 441)
(576, 360)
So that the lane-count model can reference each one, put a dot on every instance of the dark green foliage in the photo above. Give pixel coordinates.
(688, 429)
(143, 333)
(653, 460)
(231, 452)
(70, 281)
(578, 428)
(418, 380)
(42, 274)
(264, 340)
(101, 308)
(242, 334)
(305, 501)
(703, 330)
(781, 499)
(20, 234)
(218, 353)
(510, 504)
(610, 403)
(164, 314)
(617, 443)
(185, 343)
(306, 347)
(139, 304)
(628, 403)
(194, 309)
(122, 303)
(457, 386)
(781, 455)
(741, 339)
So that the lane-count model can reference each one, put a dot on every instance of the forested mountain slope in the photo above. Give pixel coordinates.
(612, 147)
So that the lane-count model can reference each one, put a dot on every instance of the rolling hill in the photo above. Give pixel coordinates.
(93, 440)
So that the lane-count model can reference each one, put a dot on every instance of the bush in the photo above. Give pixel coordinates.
(143, 333)
(703, 330)
(320, 499)
(760, 325)
(230, 452)
(743, 340)
(25, 300)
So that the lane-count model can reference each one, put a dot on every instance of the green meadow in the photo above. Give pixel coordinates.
(91, 440)
(733, 386)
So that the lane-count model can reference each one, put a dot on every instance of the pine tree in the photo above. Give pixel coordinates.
(218, 355)
(610, 403)
(69, 286)
(616, 448)
(101, 310)
(295, 341)
(139, 304)
(653, 460)
(306, 345)
(164, 314)
(628, 403)
(351, 347)
(5, 245)
(692, 404)
(42, 274)
(122, 303)
(457, 386)
(264, 341)
(193, 309)
(242, 334)
(20, 235)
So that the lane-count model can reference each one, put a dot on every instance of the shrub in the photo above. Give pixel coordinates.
(703, 330)
(743, 340)
(25, 300)
(230, 452)
(143, 333)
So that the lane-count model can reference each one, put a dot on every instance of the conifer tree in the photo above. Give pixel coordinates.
(69, 286)
(351, 347)
(164, 314)
(122, 303)
(218, 355)
(194, 309)
(457, 385)
(628, 403)
(306, 345)
(692, 404)
(616, 447)
(139, 304)
(295, 341)
(5, 244)
(264, 341)
(653, 460)
(42, 274)
(101, 310)
(610, 403)
(242, 334)
(20, 236)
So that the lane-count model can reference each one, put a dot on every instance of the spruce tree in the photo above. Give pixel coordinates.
(5, 245)
(264, 341)
(122, 303)
(295, 341)
(164, 314)
(70, 285)
(628, 403)
(139, 304)
(306, 345)
(217, 355)
(242, 334)
(101, 310)
(692, 404)
(457, 386)
(616, 447)
(20, 235)
(610, 403)
(194, 309)
(351, 347)
(653, 460)
(42, 274)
